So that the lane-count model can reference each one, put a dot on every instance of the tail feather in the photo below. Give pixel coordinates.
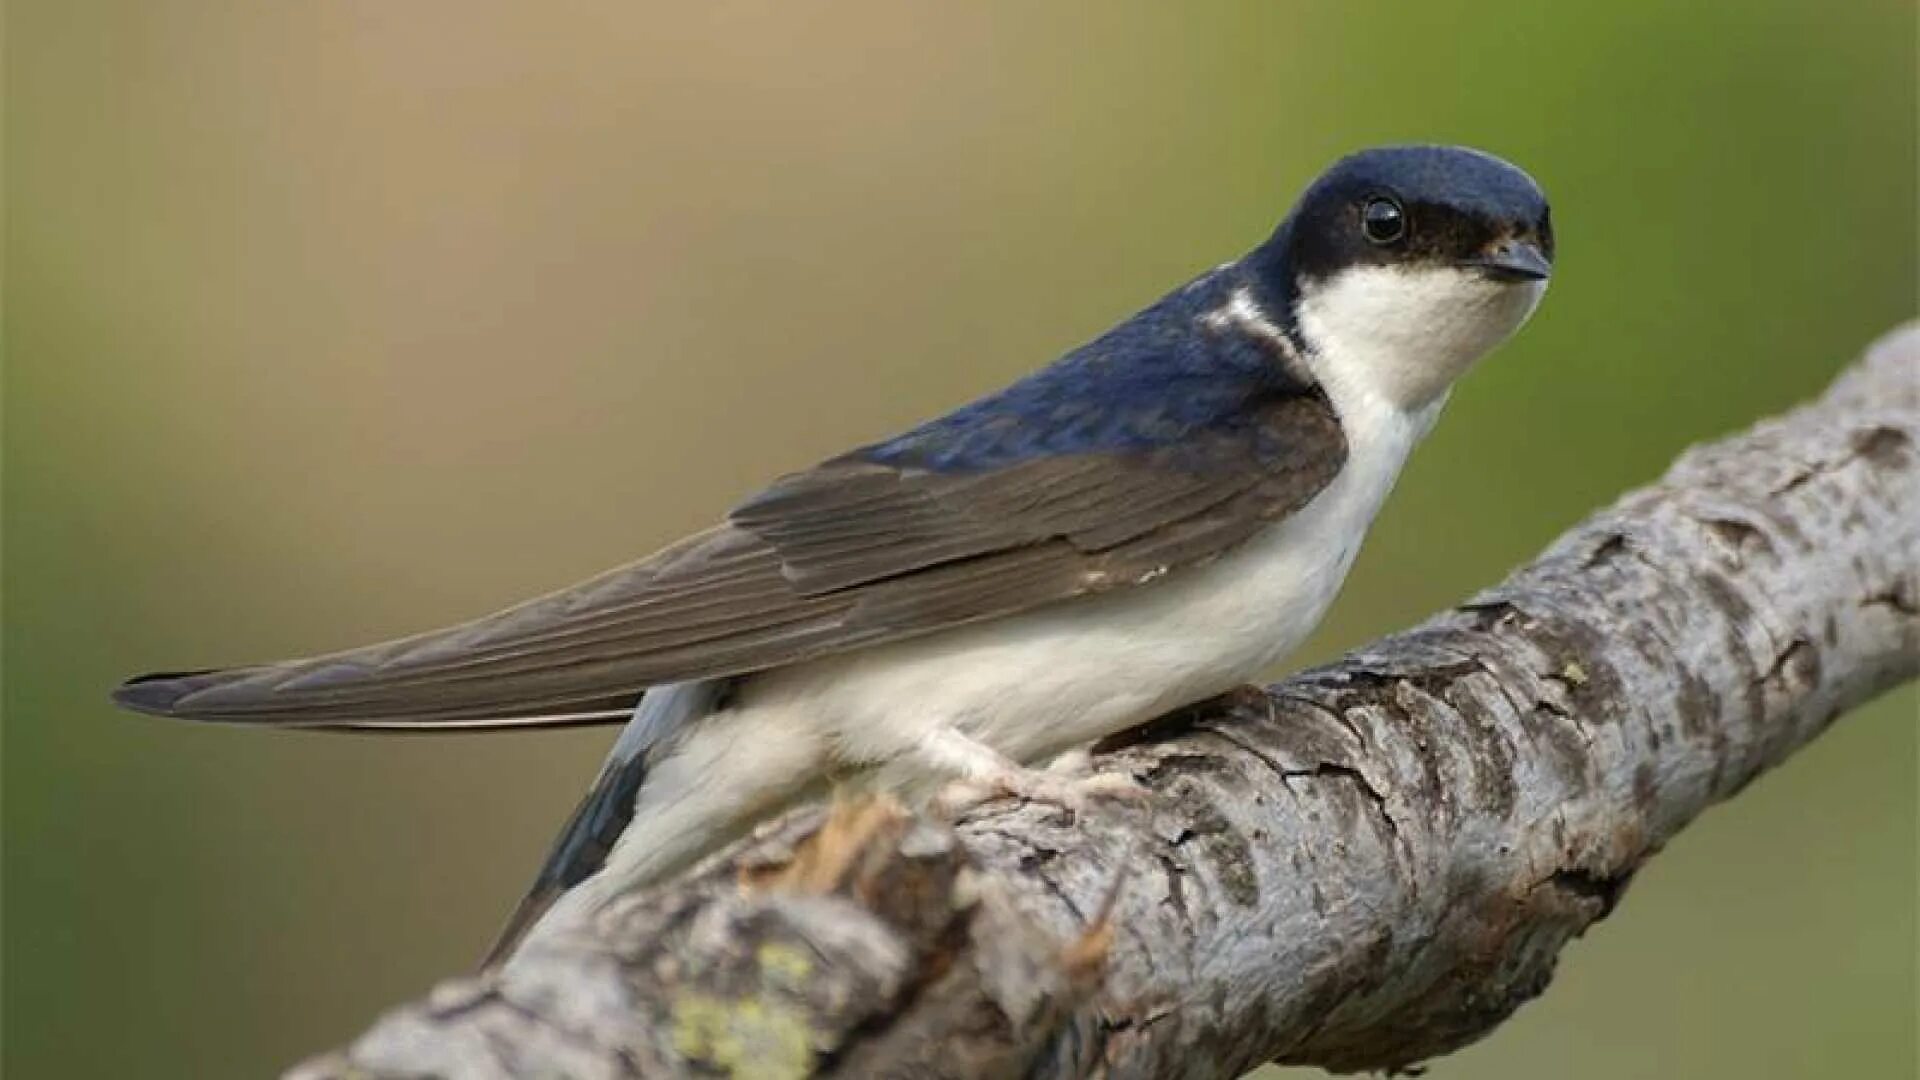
(585, 842)
(608, 806)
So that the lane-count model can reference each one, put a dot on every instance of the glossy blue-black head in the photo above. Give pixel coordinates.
(1401, 266)
(1420, 206)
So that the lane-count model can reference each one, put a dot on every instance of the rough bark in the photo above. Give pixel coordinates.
(1361, 867)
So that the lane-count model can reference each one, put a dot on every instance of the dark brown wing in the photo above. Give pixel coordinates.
(849, 554)
(870, 548)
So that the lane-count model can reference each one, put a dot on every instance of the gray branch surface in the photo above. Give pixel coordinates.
(1362, 867)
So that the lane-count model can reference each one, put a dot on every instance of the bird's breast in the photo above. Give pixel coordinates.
(1035, 683)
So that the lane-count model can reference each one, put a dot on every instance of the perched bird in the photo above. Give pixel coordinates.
(1148, 522)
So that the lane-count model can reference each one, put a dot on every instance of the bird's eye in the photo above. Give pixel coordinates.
(1383, 221)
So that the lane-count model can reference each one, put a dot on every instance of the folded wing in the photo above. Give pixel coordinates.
(879, 545)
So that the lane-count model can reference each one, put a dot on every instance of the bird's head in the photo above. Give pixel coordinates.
(1403, 265)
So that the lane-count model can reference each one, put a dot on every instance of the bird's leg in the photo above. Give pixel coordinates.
(982, 773)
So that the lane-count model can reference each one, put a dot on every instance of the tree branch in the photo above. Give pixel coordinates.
(1361, 867)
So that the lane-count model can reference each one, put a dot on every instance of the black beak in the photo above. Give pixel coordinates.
(1517, 261)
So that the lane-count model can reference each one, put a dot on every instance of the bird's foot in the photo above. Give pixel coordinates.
(1076, 766)
(1068, 783)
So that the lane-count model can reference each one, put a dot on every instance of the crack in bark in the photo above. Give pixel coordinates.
(1359, 779)
(1899, 597)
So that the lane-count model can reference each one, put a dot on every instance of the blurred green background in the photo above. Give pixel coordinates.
(328, 321)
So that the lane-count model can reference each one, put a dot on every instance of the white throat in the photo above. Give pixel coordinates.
(1399, 337)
